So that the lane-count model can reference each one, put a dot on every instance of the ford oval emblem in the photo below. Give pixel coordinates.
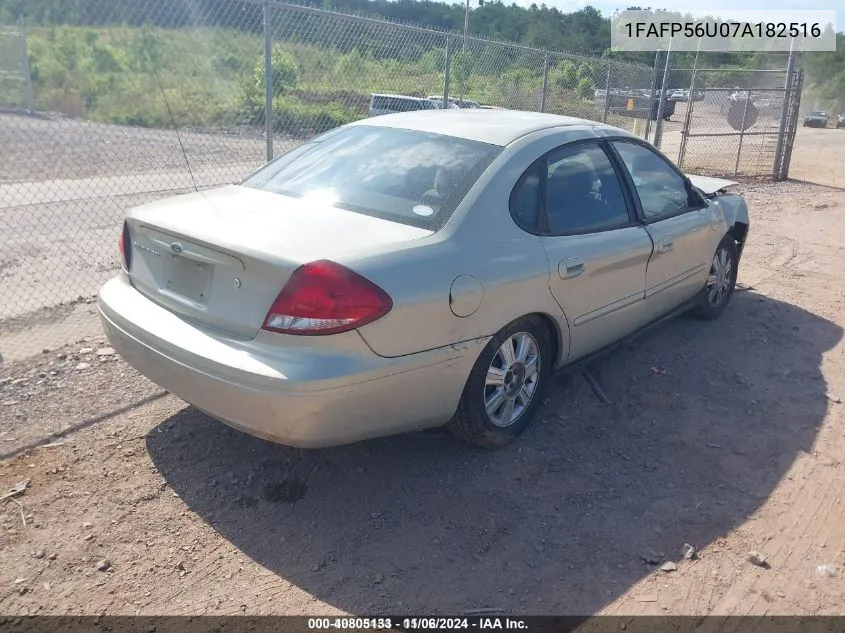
(176, 247)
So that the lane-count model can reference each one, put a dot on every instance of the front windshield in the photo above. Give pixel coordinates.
(411, 177)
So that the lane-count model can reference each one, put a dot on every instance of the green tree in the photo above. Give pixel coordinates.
(586, 71)
(586, 88)
(147, 51)
(569, 74)
(284, 74)
(515, 82)
(433, 61)
(565, 76)
(351, 64)
(462, 65)
(494, 59)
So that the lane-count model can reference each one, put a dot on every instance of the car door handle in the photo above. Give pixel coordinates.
(571, 267)
(666, 245)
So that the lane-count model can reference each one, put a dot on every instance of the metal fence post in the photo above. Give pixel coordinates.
(742, 131)
(658, 126)
(690, 105)
(653, 90)
(545, 83)
(607, 93)
(268, 82)
(446, 72)
(777, 167)
(26, 71)
(792, 126)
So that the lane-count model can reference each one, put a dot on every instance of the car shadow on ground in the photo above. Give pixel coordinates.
(705, 420)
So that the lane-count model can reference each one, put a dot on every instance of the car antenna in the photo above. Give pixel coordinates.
(170, 114)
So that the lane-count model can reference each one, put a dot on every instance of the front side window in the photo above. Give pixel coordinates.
(661, 189)
(407, 176)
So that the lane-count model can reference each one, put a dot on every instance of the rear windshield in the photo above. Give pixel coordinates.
(411, 177)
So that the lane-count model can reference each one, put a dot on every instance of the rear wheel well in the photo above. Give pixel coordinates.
(554, 333)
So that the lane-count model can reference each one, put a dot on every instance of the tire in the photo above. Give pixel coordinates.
(723, 270)
(473, 422)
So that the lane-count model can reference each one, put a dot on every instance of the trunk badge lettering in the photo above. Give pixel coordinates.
(176, 247)
(146, 249)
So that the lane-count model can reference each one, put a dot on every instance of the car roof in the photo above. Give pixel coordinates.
(496, 127)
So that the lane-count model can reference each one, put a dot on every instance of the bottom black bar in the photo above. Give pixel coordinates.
(487, 622)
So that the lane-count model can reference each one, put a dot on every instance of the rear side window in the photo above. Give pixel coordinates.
(575, 189)
(407, 176)
(525, 198)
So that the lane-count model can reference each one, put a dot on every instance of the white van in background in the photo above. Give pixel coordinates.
(455, 102)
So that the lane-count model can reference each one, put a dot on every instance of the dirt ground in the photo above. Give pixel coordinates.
(727, 436)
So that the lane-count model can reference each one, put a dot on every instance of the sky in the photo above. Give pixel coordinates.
(607, 7)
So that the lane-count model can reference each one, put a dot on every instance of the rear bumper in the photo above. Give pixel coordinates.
(307, 394)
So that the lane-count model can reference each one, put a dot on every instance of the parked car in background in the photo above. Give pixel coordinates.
(390, 104)
(840, 121)
(438, 101)
(767, 106)
(416, 270)
(815, 118)
(684, 95)
(466, 104)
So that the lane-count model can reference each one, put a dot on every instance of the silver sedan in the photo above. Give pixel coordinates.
(415, 270)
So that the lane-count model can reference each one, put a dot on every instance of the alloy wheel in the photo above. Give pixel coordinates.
(512, 379)
(720, 278)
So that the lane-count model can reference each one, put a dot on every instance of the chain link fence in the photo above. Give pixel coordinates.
(139, 101)
(730, 122)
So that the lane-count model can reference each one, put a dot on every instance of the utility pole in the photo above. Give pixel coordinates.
(788, 96)
(466, 25)
(464, 49)
(658, 126)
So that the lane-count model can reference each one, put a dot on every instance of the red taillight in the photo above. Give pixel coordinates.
(326, 298)
(123, 246)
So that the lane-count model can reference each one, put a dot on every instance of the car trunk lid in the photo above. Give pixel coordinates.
(221, 257)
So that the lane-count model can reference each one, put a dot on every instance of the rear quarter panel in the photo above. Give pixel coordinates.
(481, 240)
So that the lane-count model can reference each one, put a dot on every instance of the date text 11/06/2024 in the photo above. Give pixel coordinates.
(419, 624)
